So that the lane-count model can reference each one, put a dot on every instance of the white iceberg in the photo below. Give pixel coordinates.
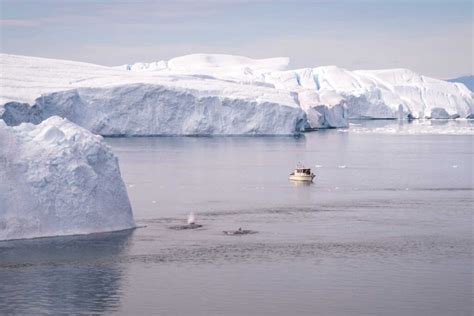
(219, 94)
(59, 179)
(377, 94)
(144, 110)
(144, 103)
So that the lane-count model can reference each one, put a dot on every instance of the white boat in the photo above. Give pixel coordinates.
(301, 174)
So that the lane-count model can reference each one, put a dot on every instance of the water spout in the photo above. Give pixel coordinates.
(191, 218)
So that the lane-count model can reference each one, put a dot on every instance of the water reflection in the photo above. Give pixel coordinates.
(443, 122)
(435, 127)
(62, 275)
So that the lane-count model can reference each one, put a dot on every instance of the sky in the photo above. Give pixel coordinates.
(432, 37)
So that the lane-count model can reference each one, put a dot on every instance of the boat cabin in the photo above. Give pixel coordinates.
(303, 171)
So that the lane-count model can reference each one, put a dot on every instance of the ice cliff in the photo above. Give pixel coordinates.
(218, 94)
(144, 109)
(59, 179)
(377, 94)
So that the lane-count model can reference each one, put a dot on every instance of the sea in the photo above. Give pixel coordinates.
(386, 228)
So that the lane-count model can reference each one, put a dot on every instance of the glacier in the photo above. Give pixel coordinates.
(215, 94)
(57, 178)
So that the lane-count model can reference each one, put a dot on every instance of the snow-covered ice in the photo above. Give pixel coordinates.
(219, 65)
(57, 178)
(144, 103)
(379, 94)
(219, 94)
(144, 109)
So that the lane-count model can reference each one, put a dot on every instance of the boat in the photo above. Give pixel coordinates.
(301, 173)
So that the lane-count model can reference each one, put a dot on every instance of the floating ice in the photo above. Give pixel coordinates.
(59, 179)
(141, 109)
(218, 94)
(379, 94)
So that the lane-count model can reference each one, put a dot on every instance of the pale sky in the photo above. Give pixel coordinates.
(432, 37)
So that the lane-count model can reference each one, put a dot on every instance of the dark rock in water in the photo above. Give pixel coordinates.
(239, 232)
(187, 226)
(470, 116)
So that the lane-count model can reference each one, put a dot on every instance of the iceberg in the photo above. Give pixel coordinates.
(57, 178)
(215, 94)
(144, 110)
(112, 101)
(377, 94)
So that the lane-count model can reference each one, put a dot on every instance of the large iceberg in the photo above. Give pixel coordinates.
(59, 179)
(329, 94)
(144, 110)
(218, 94)
(112, 101)
(377, 94)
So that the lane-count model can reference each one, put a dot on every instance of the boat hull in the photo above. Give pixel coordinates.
(304, 178)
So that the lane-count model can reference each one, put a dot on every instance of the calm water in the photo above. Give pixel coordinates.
(386, 229)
